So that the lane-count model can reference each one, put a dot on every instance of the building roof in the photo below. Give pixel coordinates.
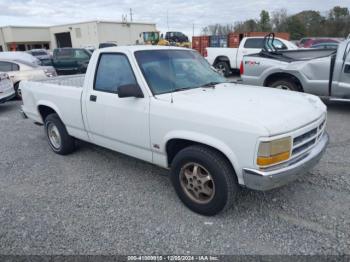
(77, 23)
(104, 21)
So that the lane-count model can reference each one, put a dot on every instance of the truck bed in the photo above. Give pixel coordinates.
(72, 80)
(65, 91)
(297, 55)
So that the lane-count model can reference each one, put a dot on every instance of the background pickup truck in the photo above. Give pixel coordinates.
(167, 106)
(227, 59)
(71, 60)
(323, 72)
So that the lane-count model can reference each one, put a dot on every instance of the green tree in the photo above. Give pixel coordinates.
(312, 22)
(306, 23)
(338, 22)
(264, 23)
(295, 27)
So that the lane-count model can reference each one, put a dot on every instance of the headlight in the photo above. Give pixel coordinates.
(274, 152)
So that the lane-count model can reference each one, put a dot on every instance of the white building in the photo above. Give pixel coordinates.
(84, 34)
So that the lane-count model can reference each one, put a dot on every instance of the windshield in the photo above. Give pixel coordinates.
(173, 70)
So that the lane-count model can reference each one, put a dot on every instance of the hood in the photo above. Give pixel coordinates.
(278, 111)
(43, 57)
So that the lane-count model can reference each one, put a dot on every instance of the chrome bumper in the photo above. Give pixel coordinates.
(265, 180)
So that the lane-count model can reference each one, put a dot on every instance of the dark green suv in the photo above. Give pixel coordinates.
(71, 60)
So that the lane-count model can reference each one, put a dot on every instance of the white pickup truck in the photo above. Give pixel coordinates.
(226, 60)
(166, 106)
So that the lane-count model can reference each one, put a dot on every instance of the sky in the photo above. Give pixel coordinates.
(178, 15)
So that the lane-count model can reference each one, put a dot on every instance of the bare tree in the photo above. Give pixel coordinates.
(279, 19)
(217, 29)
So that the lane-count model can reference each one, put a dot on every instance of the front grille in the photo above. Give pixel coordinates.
(305, 141)
(300, 139)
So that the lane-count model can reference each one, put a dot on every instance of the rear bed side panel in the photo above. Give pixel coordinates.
(65, 100)
(258, 69)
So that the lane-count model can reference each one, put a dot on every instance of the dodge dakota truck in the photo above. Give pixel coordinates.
(226, 60)
(322, 72)
(167, 106)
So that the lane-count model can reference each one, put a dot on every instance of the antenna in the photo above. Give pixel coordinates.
(124, 18)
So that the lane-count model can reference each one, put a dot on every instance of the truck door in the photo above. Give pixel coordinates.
(121, 124)
(247, 47)
(341, 77)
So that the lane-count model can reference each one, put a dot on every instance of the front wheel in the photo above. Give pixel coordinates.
(223, 68)
(59, 139)
(204, 180)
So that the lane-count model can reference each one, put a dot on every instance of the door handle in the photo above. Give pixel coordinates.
(93, 98)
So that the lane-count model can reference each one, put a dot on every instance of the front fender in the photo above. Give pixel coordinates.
(209, 141)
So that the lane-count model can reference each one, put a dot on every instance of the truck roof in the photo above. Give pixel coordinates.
(134, 48)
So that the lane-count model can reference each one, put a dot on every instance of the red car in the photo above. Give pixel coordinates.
(308, 42)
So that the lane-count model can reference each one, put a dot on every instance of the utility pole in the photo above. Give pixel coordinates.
(131, 14)
(193, 30)
(167, 18)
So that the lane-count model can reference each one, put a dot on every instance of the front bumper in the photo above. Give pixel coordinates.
(266, 180)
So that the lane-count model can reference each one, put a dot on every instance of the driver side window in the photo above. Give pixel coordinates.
(113, 71)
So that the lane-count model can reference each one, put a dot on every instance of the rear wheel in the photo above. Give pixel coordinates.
(59, 139)
(285, 84)
(223, 68)
(204, 180)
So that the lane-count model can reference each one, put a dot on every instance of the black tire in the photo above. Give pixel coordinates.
(17, 91)
(224, 68)
(222, 173)
(285, 84)
(67, 143)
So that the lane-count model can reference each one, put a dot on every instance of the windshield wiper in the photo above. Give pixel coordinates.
(212, 84)
(209, 85)
(181, 89)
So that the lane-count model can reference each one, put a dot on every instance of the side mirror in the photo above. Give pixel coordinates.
(131, 90)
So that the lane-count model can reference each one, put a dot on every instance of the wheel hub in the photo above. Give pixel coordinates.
(54, 136)
(197, 183)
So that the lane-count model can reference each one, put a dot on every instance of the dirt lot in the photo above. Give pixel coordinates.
(96, 201)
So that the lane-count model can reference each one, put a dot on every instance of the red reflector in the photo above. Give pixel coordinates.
(205, 53)
(241, 68)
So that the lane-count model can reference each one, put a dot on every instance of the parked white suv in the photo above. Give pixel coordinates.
(20, 70)
(6, 88)
(167, 106)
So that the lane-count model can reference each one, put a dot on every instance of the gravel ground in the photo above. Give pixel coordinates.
(96, 201)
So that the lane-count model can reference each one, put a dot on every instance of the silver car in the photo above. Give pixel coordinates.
(20, 70)
(322, 72)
